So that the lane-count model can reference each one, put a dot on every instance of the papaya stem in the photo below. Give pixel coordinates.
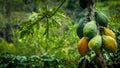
(99, 59)
(91, 10)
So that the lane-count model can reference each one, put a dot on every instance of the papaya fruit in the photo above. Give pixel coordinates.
(101, 19)
(80, 27)
(107, 31)
(83, 46)
(109, 44)
(90, 30)
(95, 43)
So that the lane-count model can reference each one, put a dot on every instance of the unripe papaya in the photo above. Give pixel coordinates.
(80, 27)
(95, 43)
(101, 19)
(108, 32)
(109, 44)
(83, 46)
(90, 30)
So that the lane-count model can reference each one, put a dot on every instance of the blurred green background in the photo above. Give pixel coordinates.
(34, 34)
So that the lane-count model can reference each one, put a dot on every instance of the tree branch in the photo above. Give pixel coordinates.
(57, 9)
(44, 16)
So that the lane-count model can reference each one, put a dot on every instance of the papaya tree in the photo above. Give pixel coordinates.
(96, 38)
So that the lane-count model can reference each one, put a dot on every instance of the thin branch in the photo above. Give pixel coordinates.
(57, 8)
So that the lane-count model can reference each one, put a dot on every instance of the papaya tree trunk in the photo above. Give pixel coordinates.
(99, 58)
(91, 9)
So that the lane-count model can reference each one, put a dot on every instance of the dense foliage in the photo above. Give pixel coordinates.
(43, 34)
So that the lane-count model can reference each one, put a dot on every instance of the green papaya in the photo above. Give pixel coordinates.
(80, 27)
(90, 30)
(95, 43)
(101, 19)
(109, 44)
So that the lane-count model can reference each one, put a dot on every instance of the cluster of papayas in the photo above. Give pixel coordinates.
(108, 36)
(96, 36)
(90, 39)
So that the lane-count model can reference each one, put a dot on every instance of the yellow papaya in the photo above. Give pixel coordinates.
(95, 43)
(90, 30)
(108, 32)
(83, 46)
(109, 44)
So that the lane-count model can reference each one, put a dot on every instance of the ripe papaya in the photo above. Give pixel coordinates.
(80, 27)
(107, 31)
(90, 30)
(101, 19)
(95, 43)
(109, 44)
(83, 46)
